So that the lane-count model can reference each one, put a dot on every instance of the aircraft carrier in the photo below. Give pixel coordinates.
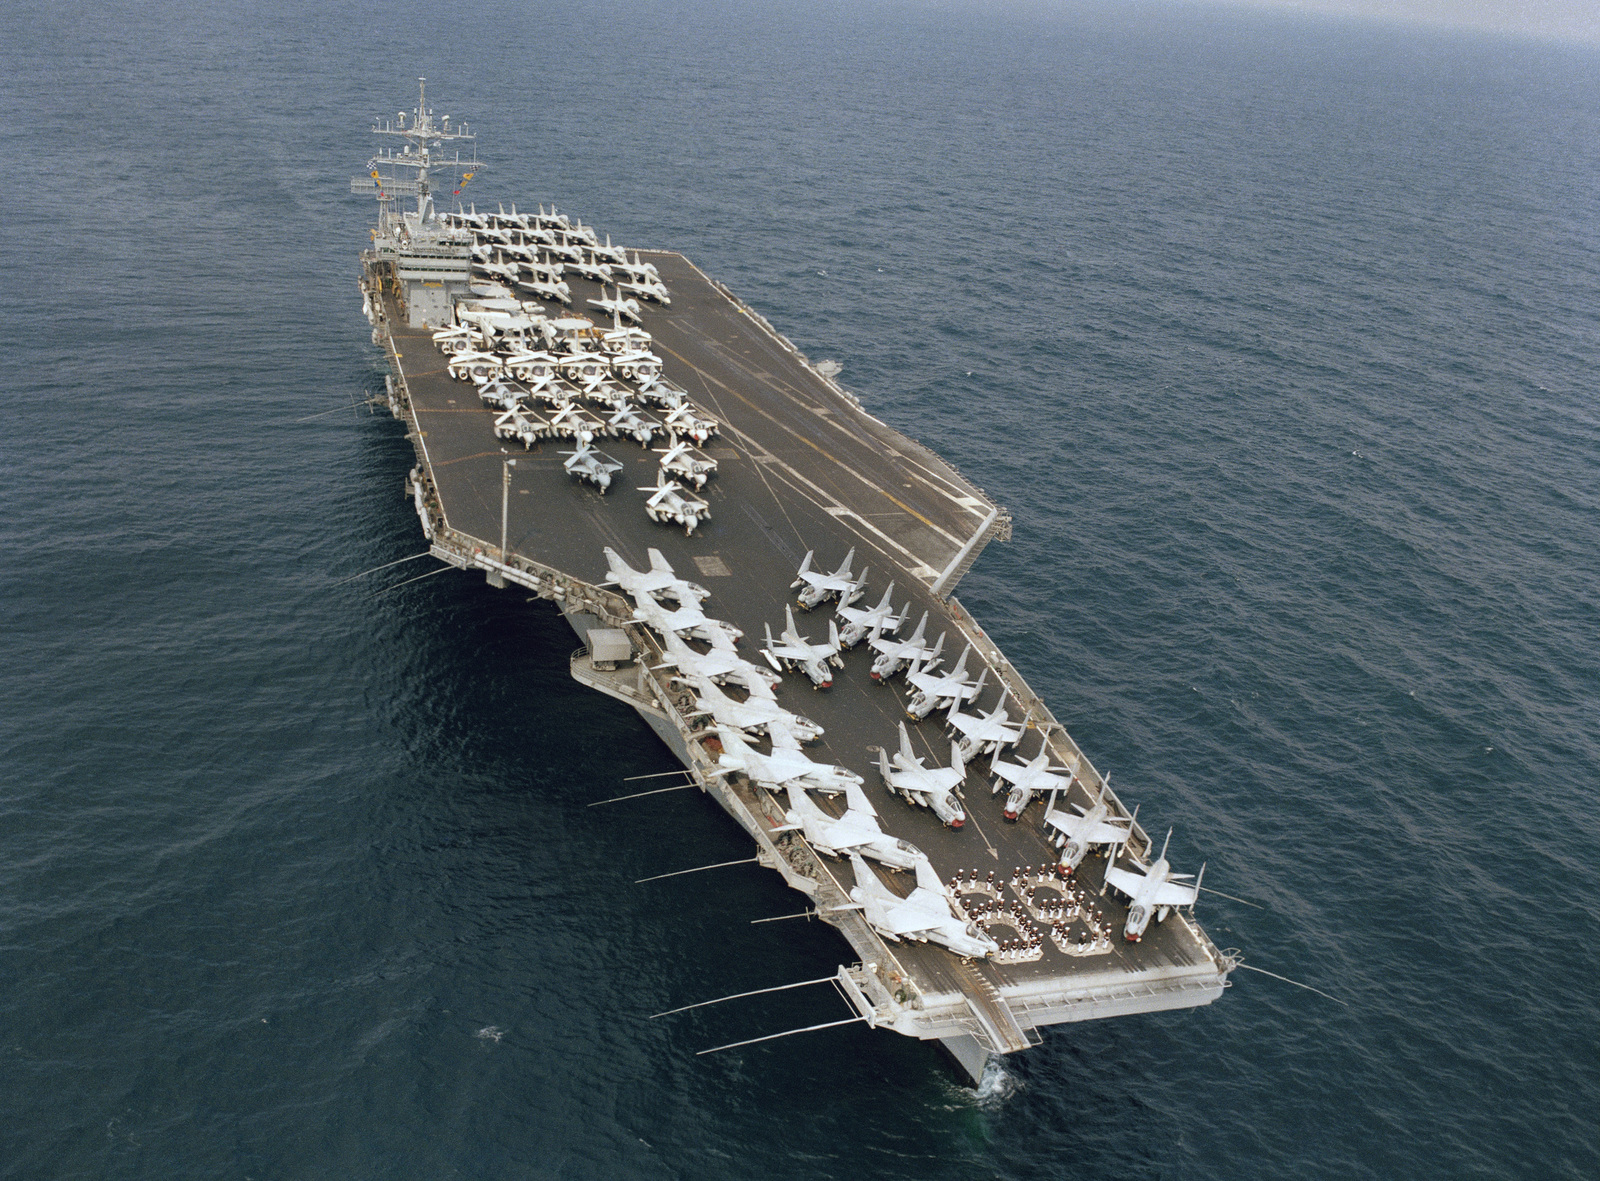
(801, 467)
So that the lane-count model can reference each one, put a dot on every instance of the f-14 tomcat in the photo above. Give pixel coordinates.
(857, 831)
(938, 690)
(1152, 892)
(1029, 779)
(785, 765)
(932, 787)
(794, 651)
(1089, 826)
(928, 914)
(820, 587)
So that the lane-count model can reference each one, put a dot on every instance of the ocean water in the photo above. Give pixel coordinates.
(1278, 336)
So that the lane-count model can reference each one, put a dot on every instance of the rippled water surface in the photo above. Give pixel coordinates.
(1277, 336)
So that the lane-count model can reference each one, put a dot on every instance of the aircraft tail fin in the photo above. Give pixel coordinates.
(1164, 845)
(905, 745)
(883, 765)
(844, 567)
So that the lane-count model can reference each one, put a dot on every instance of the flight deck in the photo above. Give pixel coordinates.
(803, 468)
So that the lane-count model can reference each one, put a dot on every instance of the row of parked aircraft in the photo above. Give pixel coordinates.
(1075, 830)
(533, 251)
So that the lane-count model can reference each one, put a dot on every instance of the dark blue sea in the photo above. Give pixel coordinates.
(1277, 334)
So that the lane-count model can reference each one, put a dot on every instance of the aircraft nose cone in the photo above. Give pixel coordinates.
(1010, 815)
(957, 822)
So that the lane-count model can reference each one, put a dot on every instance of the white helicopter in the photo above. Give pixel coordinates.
(894, 655)
(659, 581)
(928, 914)
(683, 422)
(856, 831)
(628, 421)
(670, 501)
(935, 690)
(687, 620)
(1085, 827)
(859, 621)
(820, 587)
(1152, 892)
(721, 664)
(686, 463)
(932, 787)
(621, 307)
(758, 713)
(785, 765)
(1029, 779)
(987, 732)
(794, 651)
(588, 464)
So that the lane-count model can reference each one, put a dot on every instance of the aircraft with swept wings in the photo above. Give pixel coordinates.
(932, 787)
(588, 464)
(1084, 827)
(722, 664)
(894, 655)
(1029, 779)
(859, 622)
(793, 651)
(785, 765)
(857, 831)
(933, 691)
(819, 587)
(986, 732)
(928, 915)
(1152, 893)
(757, 713)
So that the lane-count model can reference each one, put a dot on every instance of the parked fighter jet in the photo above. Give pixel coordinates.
(928, 915)
(988, 732)
(856, 831)
(498, 393)
(621, 307)
(1085, 827)
(590, 267)
(894, 655)
(687, 620)
(614, 255)
(588, 464)
(793, 651)
(660, 581)
(933, 690)
(1029, 779)
(932, 787)
(521, 423)
(587, 370)
(758, 713)
(574, 422)
(671, 501)
(683, 422)
(859, 621)
(628, 421)
(1155, 891)
(664, 394)
(723, 665)
(819, 587)
(685, 462)
(552, 290)
(785, 765)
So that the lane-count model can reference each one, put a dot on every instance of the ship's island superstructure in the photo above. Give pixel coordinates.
(566, 397)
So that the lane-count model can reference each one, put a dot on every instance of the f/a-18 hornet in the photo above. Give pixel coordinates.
(932, 787)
